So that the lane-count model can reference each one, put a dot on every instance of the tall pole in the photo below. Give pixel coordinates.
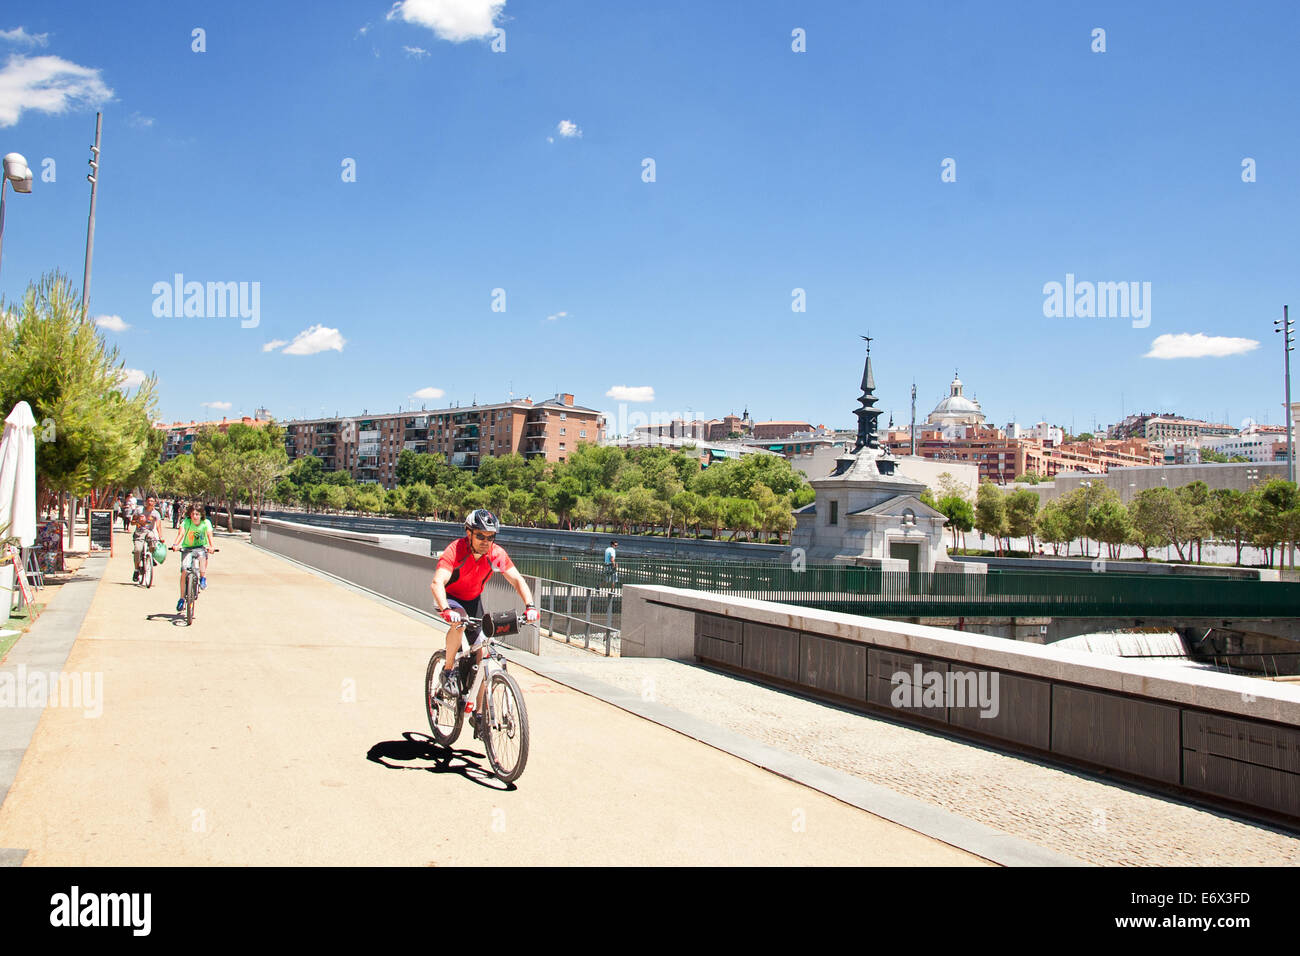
(1285, 326)
(93, 177)
(912, 431)
(4, 181)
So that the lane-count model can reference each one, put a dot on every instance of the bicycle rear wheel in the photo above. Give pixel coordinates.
(446, 717)
(507, 728)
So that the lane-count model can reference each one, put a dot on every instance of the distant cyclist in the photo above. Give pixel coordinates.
(463, 571)
(195, 534)
(146, 526)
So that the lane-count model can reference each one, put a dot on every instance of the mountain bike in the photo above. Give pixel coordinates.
(504, 725)
(190, 568)
(145, 578)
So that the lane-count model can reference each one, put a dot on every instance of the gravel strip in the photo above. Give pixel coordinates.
(1079, 816)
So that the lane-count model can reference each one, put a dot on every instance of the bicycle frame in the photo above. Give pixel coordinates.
(492, 663)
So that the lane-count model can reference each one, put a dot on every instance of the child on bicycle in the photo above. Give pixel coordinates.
(147, 524)
(196, 534)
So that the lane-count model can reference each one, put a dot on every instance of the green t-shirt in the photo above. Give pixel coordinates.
(196, 535)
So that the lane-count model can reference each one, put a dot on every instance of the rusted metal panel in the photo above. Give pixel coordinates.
(894, 683)
(837, 667)
(1136, 736)
(1249, 741)
(720, 628)
(771, 650)
(718, 639)
(1022, 705)
(1245, 782)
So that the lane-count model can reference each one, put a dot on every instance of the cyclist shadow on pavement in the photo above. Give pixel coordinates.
(422, 747)
(176, 620)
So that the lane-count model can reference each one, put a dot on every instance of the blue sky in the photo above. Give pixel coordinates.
(775, 170)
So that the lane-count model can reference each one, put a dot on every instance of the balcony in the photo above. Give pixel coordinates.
(417, 446)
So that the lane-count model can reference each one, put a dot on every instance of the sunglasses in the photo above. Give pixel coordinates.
(483, 536)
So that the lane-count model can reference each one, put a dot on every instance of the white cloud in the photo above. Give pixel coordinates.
(632, 393)
(1199, 345)
(568, 129)
(557, 315)
(418, 52)
(113, 323)
(220, 406)
(316, 339)
(428, 393)
(454, 20)
(274, 344)
(48, 84)
(131, 378)
(138, 120)
(24, 38)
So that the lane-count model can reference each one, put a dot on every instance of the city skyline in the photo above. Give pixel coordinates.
(374, 184)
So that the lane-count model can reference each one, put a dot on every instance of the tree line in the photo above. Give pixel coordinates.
(602, 488)
(1266, 517)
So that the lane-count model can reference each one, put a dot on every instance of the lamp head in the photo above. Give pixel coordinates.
(17, 172)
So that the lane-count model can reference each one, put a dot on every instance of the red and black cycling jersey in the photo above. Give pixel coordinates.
(468, 573)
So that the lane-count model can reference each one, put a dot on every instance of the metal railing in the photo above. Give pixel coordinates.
(859, 590)
(578, 611)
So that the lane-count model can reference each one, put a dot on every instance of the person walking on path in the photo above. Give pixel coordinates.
(611, 563)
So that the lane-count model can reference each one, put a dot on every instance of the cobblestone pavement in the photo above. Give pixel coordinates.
(1080, 816)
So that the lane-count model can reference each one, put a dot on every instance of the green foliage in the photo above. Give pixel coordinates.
(91, 435)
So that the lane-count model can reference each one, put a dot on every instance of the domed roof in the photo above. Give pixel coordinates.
(956, 408)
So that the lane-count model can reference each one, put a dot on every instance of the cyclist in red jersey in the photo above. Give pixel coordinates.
(463, 570)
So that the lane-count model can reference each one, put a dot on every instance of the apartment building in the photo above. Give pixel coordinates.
(1001, 459)
(368, 446)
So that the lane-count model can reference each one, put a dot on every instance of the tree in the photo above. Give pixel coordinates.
(1154, 516)
(1022, 515)
(1196, 497)
(991, 512)
(1109, 523)
(1055, 526)
(960, 515)
(92, 435)
(1229, 517)
(307, 471)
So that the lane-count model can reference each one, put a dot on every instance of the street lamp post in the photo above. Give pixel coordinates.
(16, 171)
(1287, 328)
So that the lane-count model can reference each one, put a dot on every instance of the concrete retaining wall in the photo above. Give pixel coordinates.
(377, 565)
(1225, 738)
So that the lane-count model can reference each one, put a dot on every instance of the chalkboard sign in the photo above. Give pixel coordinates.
(101, 530)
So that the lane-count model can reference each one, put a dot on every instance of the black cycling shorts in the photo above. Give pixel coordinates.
(473, 610)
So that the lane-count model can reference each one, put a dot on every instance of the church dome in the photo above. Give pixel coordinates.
(956, 409)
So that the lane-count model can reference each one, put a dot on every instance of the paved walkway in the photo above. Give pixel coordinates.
(287, 727)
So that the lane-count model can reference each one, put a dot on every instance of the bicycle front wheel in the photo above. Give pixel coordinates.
(191, 595)
(507, 728)
(446, 718)
(148, 571)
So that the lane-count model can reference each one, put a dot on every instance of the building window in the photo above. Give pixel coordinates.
(835, 512)
(561, 431)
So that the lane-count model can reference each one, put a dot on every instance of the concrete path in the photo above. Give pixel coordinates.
(287, 727)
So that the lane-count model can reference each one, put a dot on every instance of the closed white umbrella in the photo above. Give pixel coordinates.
(18, 484)
(18, 474)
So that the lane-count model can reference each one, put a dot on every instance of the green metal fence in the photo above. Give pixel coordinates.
(998, 593)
